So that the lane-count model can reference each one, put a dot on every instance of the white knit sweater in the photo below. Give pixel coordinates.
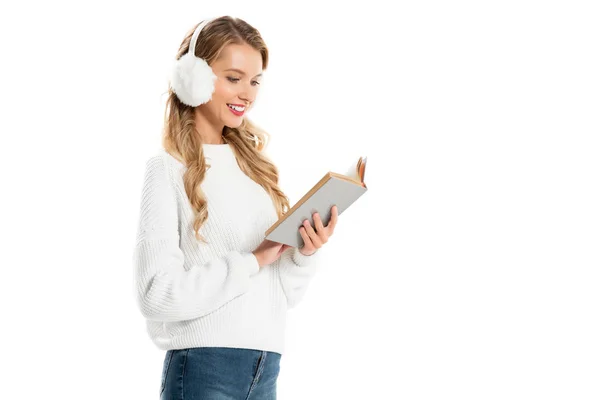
(194, 294)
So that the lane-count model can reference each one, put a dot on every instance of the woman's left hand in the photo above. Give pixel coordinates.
(314, 240)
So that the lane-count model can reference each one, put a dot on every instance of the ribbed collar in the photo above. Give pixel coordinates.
(218, 152)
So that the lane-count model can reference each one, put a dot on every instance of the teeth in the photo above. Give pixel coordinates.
(236, 108)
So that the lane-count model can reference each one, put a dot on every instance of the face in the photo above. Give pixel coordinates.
(235, 87)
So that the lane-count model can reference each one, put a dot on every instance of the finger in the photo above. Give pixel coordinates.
(334, 218)
(321, 232)
(316, 241)
(318, 222)
(307, 242)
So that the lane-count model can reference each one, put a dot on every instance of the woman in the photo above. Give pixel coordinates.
(213, 292)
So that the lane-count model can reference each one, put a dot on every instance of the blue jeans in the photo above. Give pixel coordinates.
(219, 373)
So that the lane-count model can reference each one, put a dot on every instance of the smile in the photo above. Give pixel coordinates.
(237, 110)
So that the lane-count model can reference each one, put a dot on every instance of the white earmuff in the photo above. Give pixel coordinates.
(192, 79)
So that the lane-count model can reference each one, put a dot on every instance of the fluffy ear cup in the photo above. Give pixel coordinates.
(192, 79)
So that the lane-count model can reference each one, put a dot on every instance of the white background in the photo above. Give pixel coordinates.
(469, 270)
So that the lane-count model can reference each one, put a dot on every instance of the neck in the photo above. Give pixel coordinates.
(210, 130)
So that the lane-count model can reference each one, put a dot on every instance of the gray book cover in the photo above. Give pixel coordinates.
(332, 190)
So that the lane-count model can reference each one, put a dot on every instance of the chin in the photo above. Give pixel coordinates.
(235, 124)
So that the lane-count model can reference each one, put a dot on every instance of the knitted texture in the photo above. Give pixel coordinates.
(195, 294)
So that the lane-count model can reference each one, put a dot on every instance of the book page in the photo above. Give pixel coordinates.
(351, 171)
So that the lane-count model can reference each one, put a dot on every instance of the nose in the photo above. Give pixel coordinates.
(245, 101)
(247, 96)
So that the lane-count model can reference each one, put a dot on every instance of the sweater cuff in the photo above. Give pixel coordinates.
(301, 260)
(251, 263)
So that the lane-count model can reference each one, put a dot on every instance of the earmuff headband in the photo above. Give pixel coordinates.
(196, 34)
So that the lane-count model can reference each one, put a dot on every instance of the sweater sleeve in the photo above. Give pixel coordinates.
(164, 289)
(295, 273)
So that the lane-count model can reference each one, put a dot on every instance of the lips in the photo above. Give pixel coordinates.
(238, 113)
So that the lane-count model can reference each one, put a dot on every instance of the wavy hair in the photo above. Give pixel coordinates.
(181, 140)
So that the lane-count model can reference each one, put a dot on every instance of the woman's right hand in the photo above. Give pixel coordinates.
(269, 251)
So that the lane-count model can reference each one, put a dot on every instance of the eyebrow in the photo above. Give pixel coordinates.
(240, 71)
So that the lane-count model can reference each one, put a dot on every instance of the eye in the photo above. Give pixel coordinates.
(237, 79)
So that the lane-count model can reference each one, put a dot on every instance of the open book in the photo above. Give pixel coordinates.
(333, 189)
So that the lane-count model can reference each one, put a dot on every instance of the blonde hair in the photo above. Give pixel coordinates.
(181, 140)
